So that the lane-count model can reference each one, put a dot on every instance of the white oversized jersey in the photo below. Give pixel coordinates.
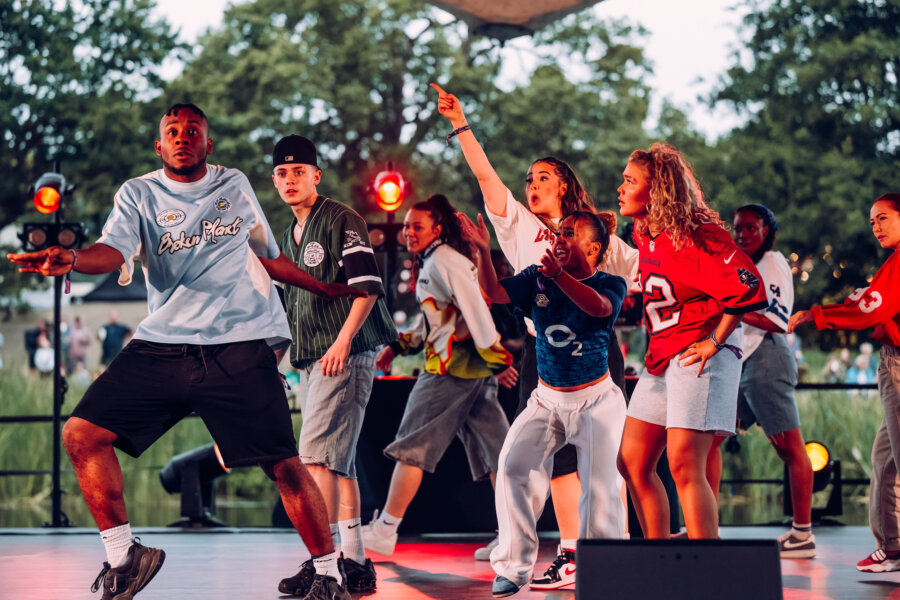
(523, 238)
(198, 244)
(779, 285)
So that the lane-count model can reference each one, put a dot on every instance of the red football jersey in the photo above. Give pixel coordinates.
(686, 291)
(875, 306)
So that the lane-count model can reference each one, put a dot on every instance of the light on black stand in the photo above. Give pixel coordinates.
(193, 475)
(50, 192)
(390, 191)
(826, 470)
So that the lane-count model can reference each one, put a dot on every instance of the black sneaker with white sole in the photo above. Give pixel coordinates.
(360, 577)
(123, 582)
(325, 587)
(299, 584)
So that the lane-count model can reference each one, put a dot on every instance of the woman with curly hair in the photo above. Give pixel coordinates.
(696, 284)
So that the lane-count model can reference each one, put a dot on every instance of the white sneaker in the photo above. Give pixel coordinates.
(377, 538)
(484, 553)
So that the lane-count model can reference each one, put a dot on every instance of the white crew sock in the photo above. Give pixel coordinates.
(388, 522)
(568, 544)
(801, 532)
(352, 541)
(117, 540)
(327, 565)
(335, 537)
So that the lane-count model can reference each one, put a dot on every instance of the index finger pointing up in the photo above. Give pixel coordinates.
(438, 88)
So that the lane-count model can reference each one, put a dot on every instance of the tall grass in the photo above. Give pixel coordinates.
(844, 422)
(25, 499)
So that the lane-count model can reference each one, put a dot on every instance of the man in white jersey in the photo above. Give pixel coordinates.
(206, 346)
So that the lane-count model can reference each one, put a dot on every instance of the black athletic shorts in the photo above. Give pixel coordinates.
(235, 388)
(565, 461)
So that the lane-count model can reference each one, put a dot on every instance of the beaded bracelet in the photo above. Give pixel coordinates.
(457, 131)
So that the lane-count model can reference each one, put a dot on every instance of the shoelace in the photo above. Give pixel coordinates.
(99, 581)
(557, 564)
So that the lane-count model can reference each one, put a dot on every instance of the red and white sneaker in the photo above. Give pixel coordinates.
(879, 562)
(559, 574)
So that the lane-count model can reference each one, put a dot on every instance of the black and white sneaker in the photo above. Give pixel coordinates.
(790, 546)
(559, 574)
(360, 577)
(123, 582)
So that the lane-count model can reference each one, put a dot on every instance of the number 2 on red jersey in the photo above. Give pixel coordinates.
(659, 300)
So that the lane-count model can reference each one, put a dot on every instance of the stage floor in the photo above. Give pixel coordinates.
(232, 564)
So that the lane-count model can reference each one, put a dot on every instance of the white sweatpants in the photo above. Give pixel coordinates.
(590, 419)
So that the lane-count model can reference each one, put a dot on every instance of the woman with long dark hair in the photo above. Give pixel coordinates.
(878, 306)
(456, 396)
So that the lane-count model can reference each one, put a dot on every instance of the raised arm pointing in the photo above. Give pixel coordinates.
(493, 189)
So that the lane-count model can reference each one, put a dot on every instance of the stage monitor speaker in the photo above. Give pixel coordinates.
(678, 570)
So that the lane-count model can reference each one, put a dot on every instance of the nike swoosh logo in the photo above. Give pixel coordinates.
(728, 260)
(788, 544)
(352, 526)
(568, 570)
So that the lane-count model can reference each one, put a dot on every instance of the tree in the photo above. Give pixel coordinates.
(353, 77)
(75, 77)
(817, 83)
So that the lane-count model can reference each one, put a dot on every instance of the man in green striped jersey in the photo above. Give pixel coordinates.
(334, 342)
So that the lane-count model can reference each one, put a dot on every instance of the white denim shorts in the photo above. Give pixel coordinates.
(680, 398)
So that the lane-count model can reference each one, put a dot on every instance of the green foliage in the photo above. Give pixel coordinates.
(817, 82)
(353, 77)
(75, 76)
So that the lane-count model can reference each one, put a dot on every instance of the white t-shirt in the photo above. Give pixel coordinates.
(779, 284)
(524, 239)
(198, 244)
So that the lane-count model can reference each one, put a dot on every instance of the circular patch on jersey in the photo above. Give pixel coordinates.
(542, 300)
(313, 254)
(170, 217)
(222, 204)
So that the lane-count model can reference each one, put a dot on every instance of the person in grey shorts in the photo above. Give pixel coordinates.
(334, 341)
(878, 306)
(457, 394)
(769, 376)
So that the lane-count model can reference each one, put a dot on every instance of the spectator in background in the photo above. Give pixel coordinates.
(112, 336)
(861, 372)
(835, 369)
(868, 350)
(31, 342)
(43, 355)
(79, 340)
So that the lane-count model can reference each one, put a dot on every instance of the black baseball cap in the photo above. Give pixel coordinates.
(294, 149)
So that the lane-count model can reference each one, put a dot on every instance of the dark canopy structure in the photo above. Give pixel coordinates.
(507, 19)
(109, 289)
